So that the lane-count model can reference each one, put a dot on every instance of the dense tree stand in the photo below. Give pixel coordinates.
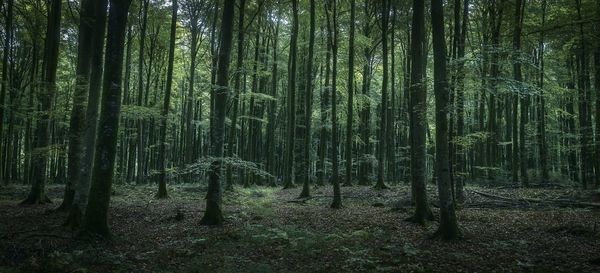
(192, 128)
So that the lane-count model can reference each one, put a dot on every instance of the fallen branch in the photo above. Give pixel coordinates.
(559, 202)
(48, 235)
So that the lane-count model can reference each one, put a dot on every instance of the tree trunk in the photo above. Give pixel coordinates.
(384, 85)
(95, 220)
(350, 113)
(235, 99)
(333, 41)
(543, 148)
(418, 116)
(461, 169)
(77, 122)
(448, 228)
(308, 98)
(213, 215)
(7, 41)
(162, 181)
(140, 130)
(46, 95)
(289, 153)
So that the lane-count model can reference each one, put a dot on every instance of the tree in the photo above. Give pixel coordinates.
(385, 10)
(162, 182)
(524, 101)
(235, 98)
(82, 186)
(308, 100)
(213, 215)
(350, 113)
(6, 51)
(140, 90)
(333, 41)
(448, 228)
(290, 138)
(460, 103)
(417, 116)
(597, 86)
(77, 123)
(46, 95)
(95, 220)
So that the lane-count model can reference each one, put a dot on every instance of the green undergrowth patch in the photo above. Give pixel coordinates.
(258, 201)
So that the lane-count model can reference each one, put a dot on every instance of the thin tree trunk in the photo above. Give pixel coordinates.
(350, 113)
(290, 139)
(162, 180)
(308, 98)
(384, 85)
(333, 41)
(7, 42)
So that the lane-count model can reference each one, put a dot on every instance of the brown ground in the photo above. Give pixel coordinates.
(265, 232)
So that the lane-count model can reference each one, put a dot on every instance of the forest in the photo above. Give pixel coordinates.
(299, 136)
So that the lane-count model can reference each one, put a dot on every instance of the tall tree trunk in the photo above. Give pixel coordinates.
(8, 29)
(333, 41)
(461, 169)
(213, 215)
(585, 126)
(140, 97)
(350, 113)
(543, 148)
(162, 181)
(235, 99)
(289, 153)
(448, 228)
(77, 122)
(95, 220)
(46, 95)
(323, 132)
(418, 116)
(97, 61)
(524, 99)
(518, 77)
(308, 97)
(597, 86)
(271, 109)
(384, 85)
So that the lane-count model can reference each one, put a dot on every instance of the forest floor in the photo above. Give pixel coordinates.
(270, 230)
